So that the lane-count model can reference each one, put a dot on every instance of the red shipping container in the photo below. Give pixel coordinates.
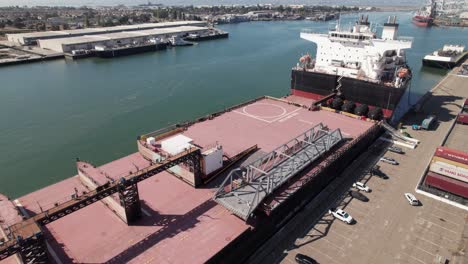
(447, 184)
(451, 154)
(462, 118)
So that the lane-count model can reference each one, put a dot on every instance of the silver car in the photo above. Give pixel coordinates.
(389, 160)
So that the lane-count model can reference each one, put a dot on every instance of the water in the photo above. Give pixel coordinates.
(53, 112)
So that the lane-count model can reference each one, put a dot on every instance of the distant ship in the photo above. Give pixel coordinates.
(448, 57)
(425, 16)
(357, 72)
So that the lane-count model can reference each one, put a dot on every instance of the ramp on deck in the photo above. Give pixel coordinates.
(246, 187)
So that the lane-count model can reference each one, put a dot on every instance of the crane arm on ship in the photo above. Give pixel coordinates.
(29, 229)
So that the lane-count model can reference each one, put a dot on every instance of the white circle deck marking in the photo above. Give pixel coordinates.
(283, 110)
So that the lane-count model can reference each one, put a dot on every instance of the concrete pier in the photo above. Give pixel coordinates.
(387, 229)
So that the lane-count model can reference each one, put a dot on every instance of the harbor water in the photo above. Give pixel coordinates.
(54, 112)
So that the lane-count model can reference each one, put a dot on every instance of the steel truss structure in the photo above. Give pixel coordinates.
(27, 237)
(246, 187)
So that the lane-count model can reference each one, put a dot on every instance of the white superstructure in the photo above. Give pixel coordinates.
(358, 53)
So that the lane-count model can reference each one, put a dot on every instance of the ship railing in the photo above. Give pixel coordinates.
(405, 39)
(312, 31)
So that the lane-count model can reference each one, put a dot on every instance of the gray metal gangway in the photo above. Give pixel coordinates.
(246, 187)
(395, 134)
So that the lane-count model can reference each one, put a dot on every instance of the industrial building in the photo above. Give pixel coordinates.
(32, 38)
(89, 42)
(450, 7)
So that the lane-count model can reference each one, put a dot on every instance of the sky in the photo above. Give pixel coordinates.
(208, 2)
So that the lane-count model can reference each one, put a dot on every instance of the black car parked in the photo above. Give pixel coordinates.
(303, 259)
(396, 150)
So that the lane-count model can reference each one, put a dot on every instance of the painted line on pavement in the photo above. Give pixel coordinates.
(415, 258)
(448, 229)
(316, 250)
(423, 250)
(421, 238)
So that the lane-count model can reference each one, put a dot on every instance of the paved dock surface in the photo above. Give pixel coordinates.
(13, 53)
(387, 228)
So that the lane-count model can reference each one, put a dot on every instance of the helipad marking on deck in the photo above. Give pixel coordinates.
(305, 121)
(267, 119)
(288, 117)
(283, 110)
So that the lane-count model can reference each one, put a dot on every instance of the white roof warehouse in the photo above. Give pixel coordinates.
(89, 42)
(32, 38)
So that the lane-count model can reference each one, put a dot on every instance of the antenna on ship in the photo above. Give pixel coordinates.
(339, 23)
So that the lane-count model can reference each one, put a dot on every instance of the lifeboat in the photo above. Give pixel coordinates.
(403, 72)
(305, 59)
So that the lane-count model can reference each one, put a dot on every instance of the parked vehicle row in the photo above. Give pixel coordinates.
(342, 215)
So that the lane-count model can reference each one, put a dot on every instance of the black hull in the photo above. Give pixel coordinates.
(129, 51)
(201, 38)
(79, 56)
(266, 226)
(359, 91)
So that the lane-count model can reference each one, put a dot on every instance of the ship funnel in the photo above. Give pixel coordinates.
(390, 29)
(363, 20)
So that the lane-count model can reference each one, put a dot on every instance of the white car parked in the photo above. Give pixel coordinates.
(411, 199)
(361, 186)
(341, 215)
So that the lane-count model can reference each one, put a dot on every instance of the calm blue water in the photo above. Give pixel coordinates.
(53, 112)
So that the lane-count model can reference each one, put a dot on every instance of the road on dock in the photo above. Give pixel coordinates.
(387, 229)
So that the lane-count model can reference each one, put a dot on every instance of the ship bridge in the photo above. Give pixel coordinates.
(245, 188)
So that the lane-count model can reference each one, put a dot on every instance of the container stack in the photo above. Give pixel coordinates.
(448, 171)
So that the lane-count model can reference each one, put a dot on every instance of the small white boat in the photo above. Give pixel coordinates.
(178, 41)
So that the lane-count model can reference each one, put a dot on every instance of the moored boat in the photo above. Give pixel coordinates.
(448, 57)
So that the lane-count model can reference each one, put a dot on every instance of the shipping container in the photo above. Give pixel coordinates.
(449, 171)
(451, 162)
(447, 184)
(451, 154)
(462, 118)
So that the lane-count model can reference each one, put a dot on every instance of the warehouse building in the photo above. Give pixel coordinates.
(32, 38)
(89, 42)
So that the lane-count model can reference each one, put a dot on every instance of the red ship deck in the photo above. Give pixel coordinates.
(180, 224)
